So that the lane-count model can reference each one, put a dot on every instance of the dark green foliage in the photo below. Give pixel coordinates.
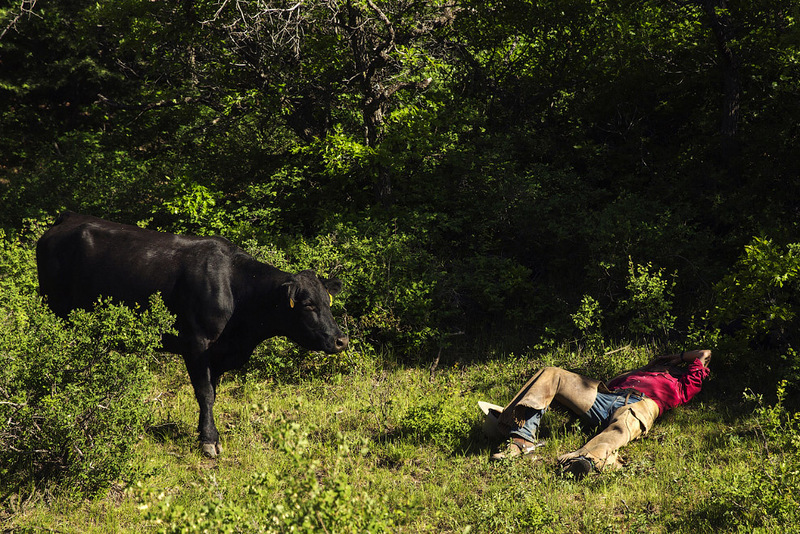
(759, 305)
(483, 168)
(391, 293)
(72, 393)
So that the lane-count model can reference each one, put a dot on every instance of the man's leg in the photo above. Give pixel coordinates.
(572, 390)
(530, 429)
(523, 438)
(521, 417)
(626, 424)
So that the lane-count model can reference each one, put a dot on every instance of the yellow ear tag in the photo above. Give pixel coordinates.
(291, 302)
(331, 296)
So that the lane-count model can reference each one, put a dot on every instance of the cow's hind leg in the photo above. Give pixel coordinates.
(204, 384)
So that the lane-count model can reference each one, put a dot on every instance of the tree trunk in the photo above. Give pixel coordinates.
(722, 28)
(373, 120)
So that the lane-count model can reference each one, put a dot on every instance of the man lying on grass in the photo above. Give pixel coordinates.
(624, 408)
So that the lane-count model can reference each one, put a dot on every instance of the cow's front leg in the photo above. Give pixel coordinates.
(204, 384)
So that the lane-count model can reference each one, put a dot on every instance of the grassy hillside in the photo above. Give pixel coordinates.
(387, 447)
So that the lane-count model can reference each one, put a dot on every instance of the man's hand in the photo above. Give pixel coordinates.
(703, 355)
(684, 357)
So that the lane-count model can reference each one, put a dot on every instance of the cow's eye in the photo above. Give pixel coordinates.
(310, 307)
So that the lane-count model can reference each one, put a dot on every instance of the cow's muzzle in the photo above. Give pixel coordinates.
(341, 343)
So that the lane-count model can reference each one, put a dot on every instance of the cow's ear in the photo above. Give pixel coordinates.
(333, 285)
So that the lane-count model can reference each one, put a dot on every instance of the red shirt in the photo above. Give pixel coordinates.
(666, 390)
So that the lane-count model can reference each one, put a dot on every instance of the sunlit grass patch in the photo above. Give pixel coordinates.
(363, 433)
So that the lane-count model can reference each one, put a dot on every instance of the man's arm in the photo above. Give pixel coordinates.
(671, 359)
(703, 355)
(677, 359)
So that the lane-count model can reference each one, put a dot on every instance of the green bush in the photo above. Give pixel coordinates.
(390, 281)
(759, 303)
(642, 313)
(588, 321)
(302, 501)
(647, 307)
(440, 421)
(280, 359)
(71, 392)
(17, 261)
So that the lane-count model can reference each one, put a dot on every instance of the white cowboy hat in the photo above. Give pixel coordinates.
(491, 425)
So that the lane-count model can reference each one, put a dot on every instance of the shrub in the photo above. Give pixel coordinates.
(759, 301)
(280, 359)
(440, 421)
(648, 305)
(192, 207)
(390, 281)
(588, 321)
(70, 392)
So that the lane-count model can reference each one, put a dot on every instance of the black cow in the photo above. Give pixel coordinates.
(225, 302)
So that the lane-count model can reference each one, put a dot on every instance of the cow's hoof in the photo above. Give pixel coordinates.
(212, 450)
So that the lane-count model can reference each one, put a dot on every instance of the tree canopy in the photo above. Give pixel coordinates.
(465, 165)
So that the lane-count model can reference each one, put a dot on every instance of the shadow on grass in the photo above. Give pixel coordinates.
(170, 432)
(471, 441)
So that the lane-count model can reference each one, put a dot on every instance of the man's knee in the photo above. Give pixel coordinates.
(638, 417)
(553, 372)
(543, 387)
(575, 392)
(627, 423)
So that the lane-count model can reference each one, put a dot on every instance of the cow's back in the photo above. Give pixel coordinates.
(82, 257)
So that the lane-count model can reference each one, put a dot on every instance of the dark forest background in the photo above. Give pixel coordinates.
(479, 173)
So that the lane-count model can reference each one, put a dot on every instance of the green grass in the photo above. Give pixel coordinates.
(370, 427)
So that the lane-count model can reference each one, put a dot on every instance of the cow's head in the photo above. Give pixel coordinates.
(311, 323)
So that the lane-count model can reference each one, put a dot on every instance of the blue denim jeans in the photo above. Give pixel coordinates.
(598, 415)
